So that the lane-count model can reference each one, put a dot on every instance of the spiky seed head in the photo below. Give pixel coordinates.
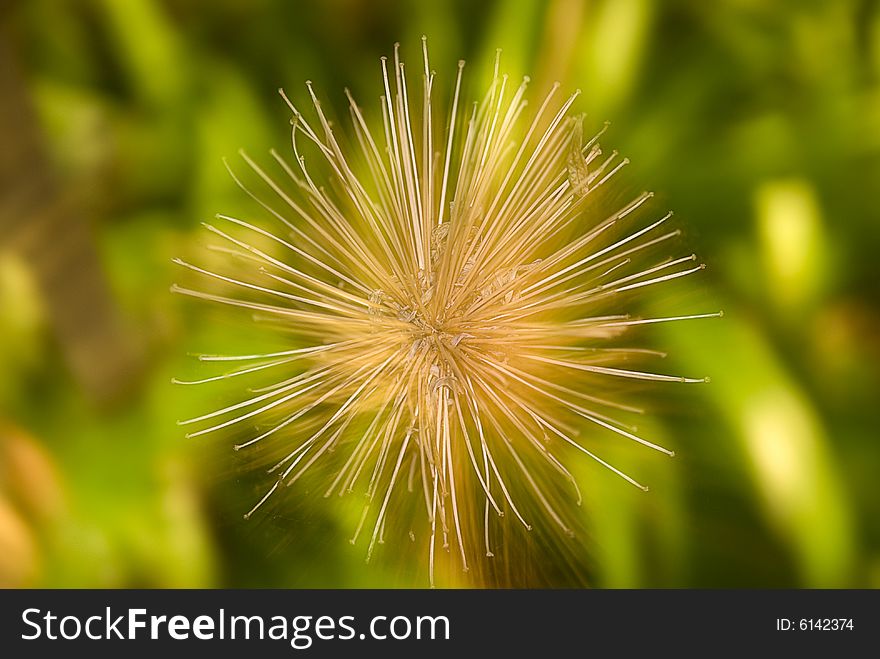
(453, 293)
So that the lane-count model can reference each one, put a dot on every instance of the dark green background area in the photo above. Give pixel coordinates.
(758, 122)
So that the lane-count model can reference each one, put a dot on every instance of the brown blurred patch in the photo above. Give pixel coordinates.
(40, 220)
(19, 558)
(29, 477)
(31, 504)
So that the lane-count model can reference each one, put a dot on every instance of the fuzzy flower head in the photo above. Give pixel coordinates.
(453, 294)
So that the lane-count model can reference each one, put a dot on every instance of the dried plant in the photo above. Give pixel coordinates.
(455, 301)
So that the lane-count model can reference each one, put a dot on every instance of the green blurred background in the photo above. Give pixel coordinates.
(758, 122)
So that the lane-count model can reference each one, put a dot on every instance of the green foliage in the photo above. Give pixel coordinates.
(756, 122)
